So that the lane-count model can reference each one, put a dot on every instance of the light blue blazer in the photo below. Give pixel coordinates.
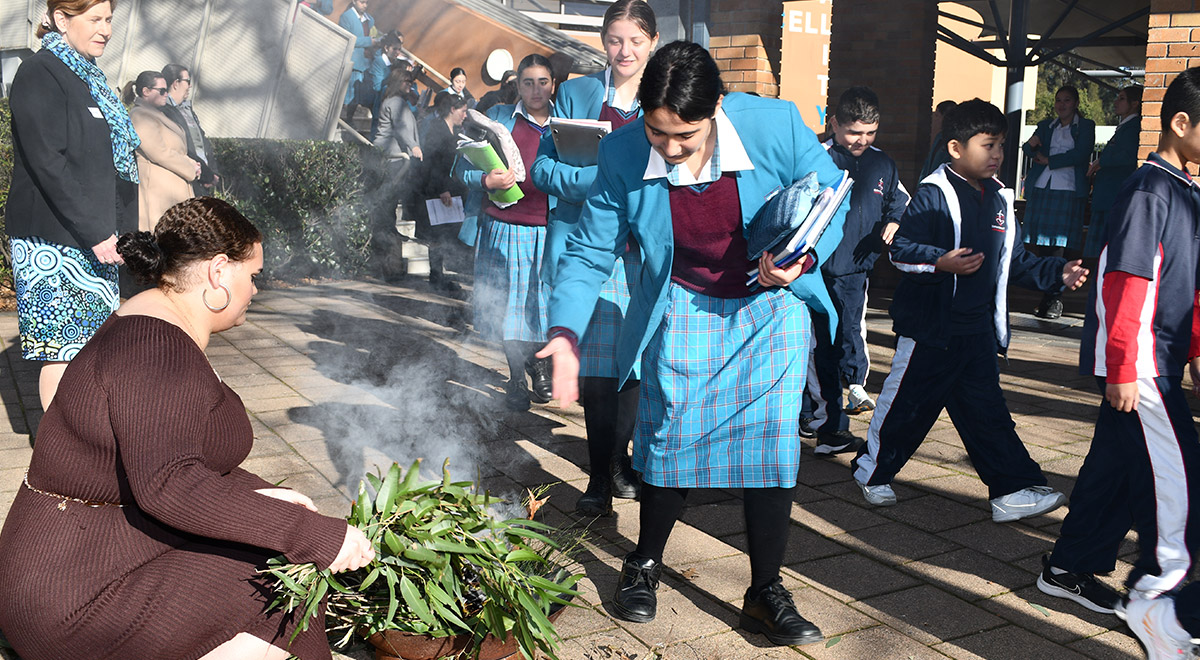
(473, 178)
(621, 203)
(578, 98)
(1084, 134)
(349, 21)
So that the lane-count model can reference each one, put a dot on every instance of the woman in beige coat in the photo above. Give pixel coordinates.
(164, 167)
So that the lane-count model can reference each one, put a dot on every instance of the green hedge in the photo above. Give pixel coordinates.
(308, 199)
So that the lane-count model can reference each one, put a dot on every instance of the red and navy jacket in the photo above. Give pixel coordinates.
(1143, 321)
(876, 199)
(925, 301)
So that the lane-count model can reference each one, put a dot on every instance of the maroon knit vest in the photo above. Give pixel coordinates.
(710, 248)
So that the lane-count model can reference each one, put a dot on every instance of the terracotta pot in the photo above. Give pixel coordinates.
(397, 645)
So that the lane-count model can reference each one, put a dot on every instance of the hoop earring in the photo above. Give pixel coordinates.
(228, 299)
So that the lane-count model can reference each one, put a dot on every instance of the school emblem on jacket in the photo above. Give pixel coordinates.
(879, 187)
(998, 222)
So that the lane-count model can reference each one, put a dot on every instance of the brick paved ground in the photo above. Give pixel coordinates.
(341, 377)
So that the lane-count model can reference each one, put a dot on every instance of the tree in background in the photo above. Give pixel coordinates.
(1095, 100)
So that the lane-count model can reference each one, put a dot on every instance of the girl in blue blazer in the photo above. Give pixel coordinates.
(722, 366)
(629, 34)
(509, 297)
(1056, 186)
(1115, 164)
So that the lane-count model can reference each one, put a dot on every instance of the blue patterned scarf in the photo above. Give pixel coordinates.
(124, 139)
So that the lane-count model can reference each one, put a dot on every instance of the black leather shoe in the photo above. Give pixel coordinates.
(625, 483)
(596, 500)
(773, 613)
(635, 600)
(1051, 308)
(543, 382)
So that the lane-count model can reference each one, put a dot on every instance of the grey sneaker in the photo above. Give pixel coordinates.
(1027, 502)
(881, 495)
(1151, 620)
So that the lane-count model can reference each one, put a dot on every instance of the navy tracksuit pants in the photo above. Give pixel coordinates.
(842, 359)
(1142, 470)
(963, 379)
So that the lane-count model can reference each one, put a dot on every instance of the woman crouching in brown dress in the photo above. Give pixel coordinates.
(136, 534)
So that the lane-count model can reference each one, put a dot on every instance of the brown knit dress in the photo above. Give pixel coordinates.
(141, 420)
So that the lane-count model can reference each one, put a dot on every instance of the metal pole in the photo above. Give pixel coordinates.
(1014, 90)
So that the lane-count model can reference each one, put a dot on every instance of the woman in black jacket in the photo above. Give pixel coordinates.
(74, 187)
(439, 143)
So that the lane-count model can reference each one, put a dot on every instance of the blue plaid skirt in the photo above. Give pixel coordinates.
(510, 299)
(1054, 218)
(598, 348)
(721, 386)
(64, 295)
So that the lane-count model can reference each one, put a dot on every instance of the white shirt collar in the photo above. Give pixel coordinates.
(1133, 116)
(732, 156)
(519, 109)
(610, 94)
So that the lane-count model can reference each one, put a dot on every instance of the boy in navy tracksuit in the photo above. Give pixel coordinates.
(1144, 462)
(958, 245)
(876, 201)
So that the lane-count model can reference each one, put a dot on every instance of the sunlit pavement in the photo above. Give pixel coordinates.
(340, 377)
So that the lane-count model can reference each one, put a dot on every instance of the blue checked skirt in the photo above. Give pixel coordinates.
(510, 299)
(64, 294)
(598, 348)
(721, 386)
(1054, 218)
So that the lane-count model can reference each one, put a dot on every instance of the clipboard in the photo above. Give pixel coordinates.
(578, 140)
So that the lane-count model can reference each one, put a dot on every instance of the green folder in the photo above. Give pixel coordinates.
(483, 156)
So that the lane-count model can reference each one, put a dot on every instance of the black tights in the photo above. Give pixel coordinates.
(517, 353)
(768, 521)
(609, 417)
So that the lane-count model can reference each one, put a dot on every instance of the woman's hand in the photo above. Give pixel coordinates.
(447, 199)
(1074, 274)
(418, 153)
(889, 232)
(197, 177)
(499, 179)
(960, 261)
(1123, 397)
(289, 495)
(771, 275)
(566, 369)
(1041, 159)
(106, 252)
(1093, 168)
(356, 552)
(1034, 142)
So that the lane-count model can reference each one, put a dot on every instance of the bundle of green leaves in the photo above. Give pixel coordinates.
(444, 566)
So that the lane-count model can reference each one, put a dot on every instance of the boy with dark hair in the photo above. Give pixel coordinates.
(957, 247)
(876, 201)
(1143, 325)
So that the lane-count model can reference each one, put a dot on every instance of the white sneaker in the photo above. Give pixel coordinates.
(1027, 502)
(858, 400)
(1154, 622)
(881, 495)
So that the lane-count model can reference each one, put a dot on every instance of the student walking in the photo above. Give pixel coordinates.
(877, 202)
(958, 247)
(722, 366)
(1144, 462)
(629, 34)
(510, 297)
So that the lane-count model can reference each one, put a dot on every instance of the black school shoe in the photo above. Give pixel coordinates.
(773, 613)
(1083, 588)
(596, 500)
(626, 485)
(636, 599)
(1051, 308)
(543, 382)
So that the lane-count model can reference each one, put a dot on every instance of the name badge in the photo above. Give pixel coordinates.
(96, 113)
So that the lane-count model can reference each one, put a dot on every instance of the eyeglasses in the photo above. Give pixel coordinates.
(160, 90)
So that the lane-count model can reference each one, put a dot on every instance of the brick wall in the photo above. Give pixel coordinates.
(1174, 45)
(891, 52)
(745, 38)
